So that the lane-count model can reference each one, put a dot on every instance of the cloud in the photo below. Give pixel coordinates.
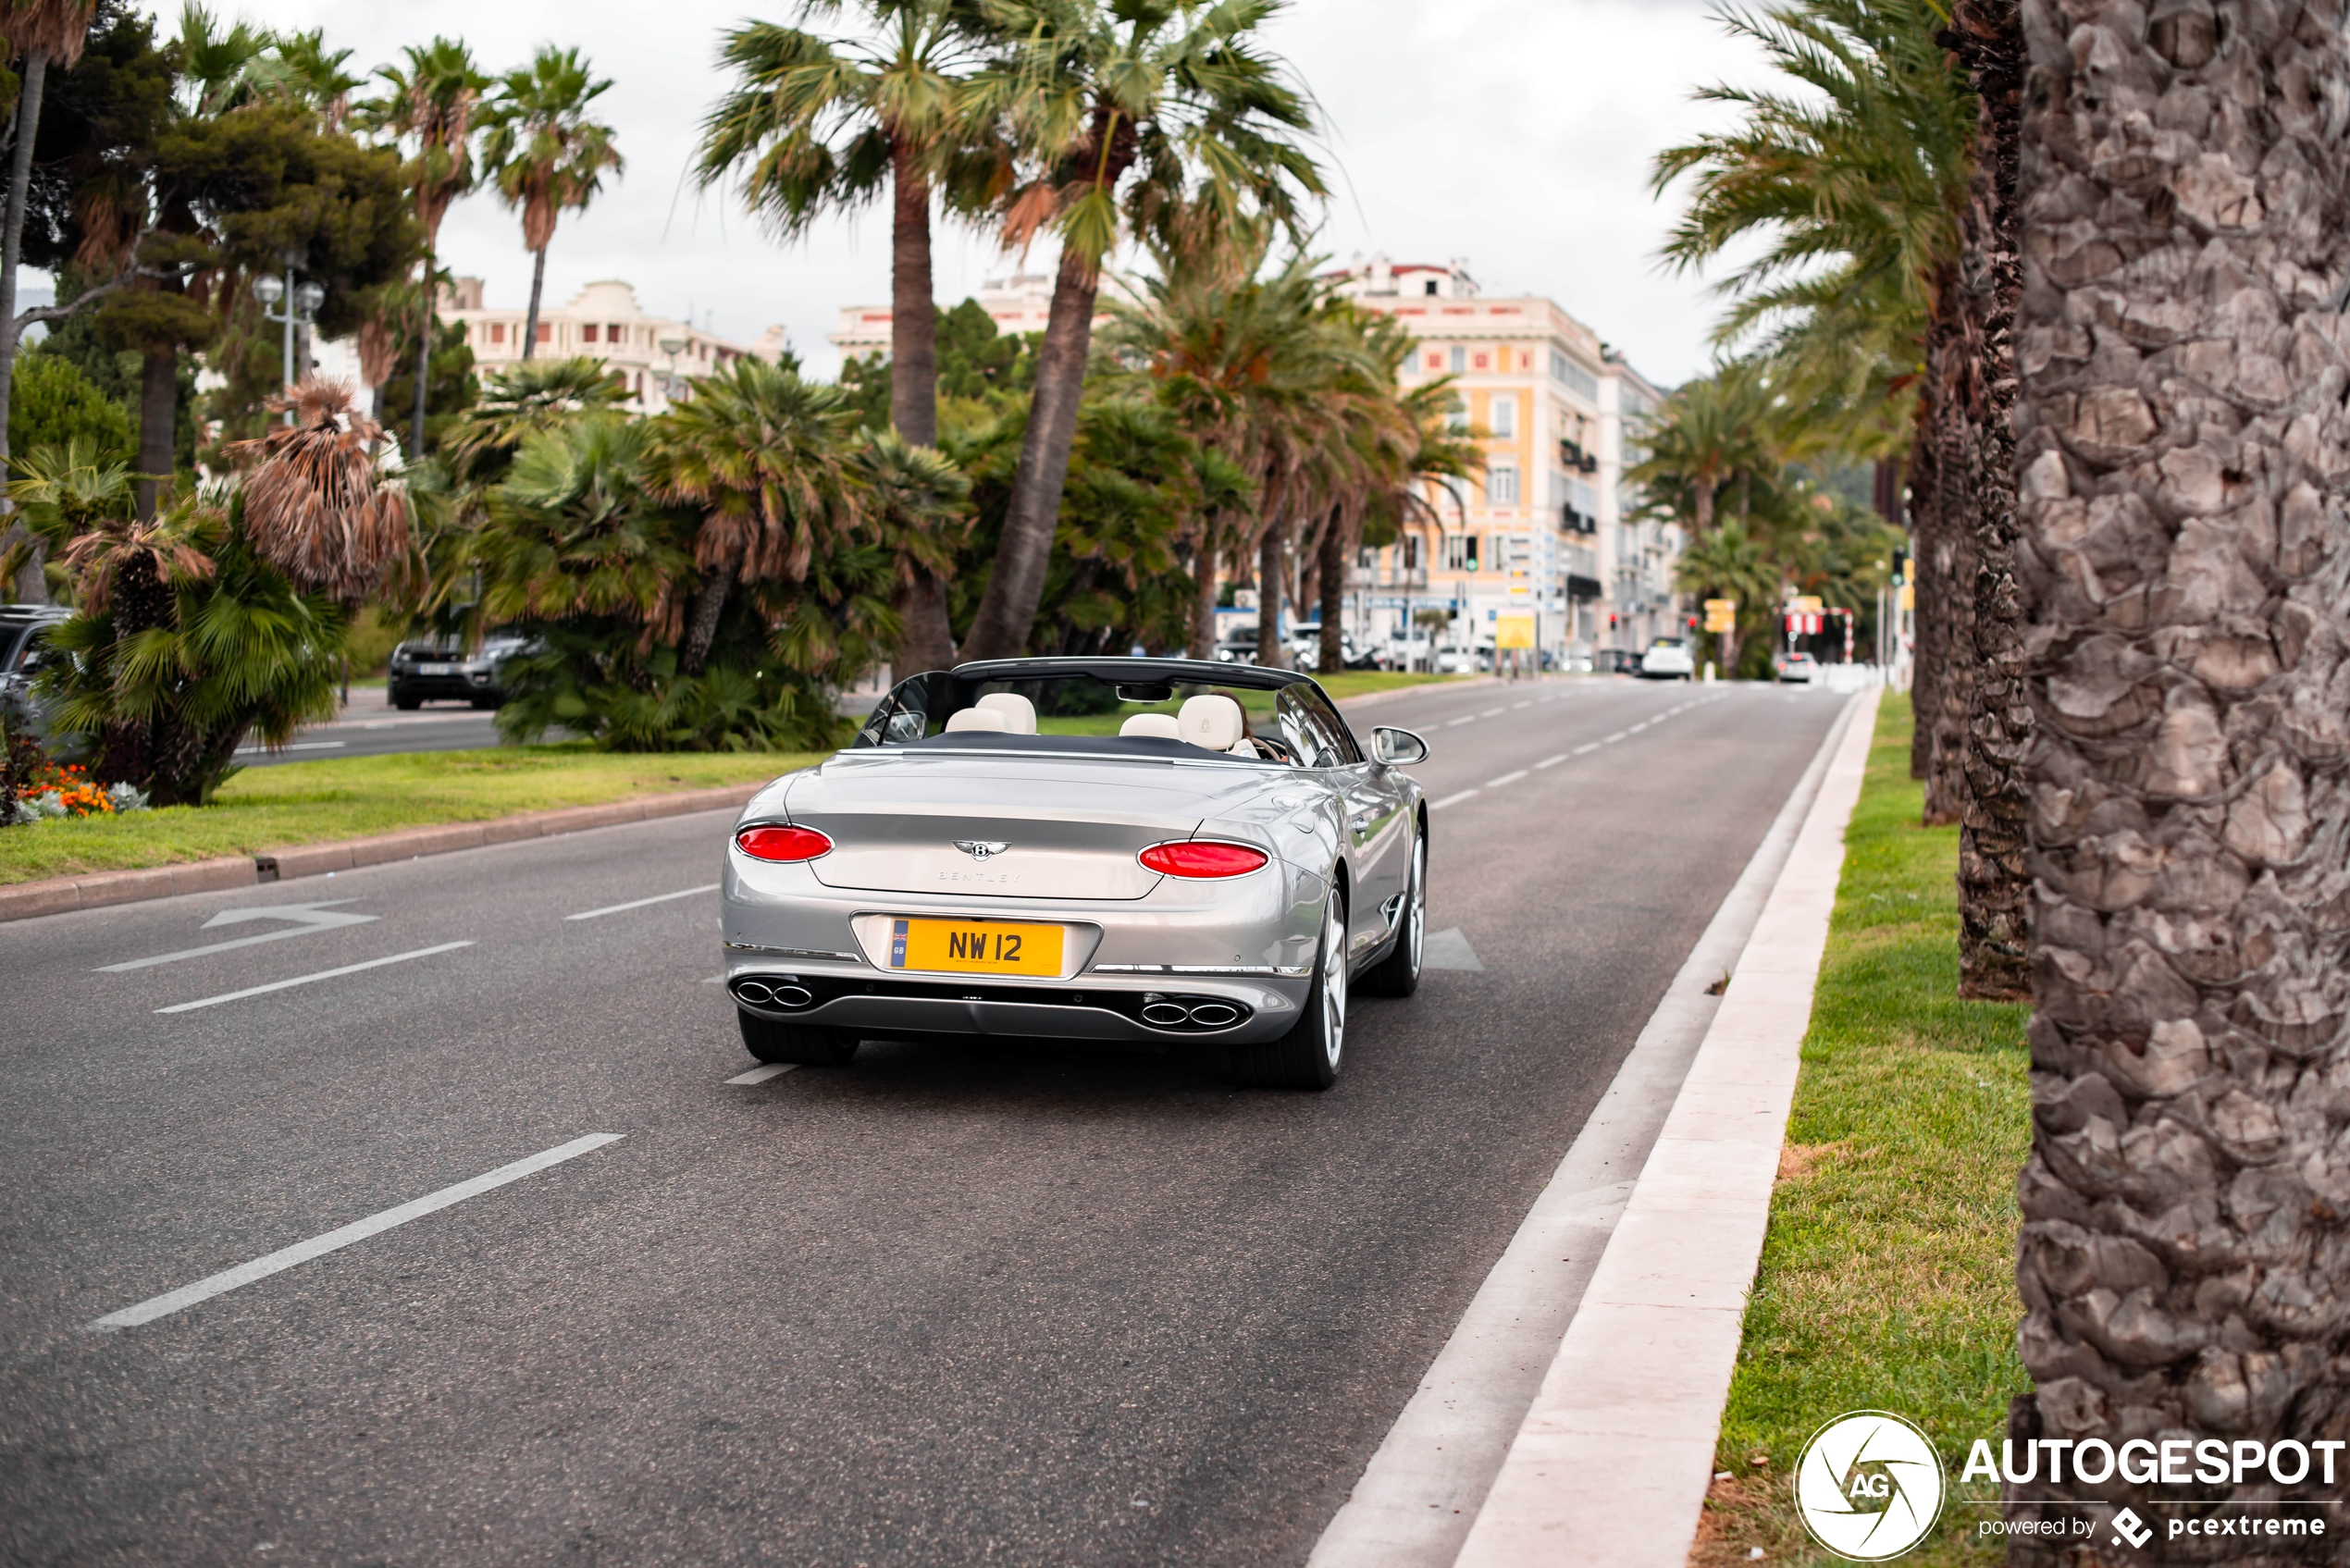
(1517, 134)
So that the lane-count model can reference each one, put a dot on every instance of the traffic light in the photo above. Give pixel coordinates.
(1900, 565)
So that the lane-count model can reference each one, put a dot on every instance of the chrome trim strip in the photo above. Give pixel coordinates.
(794, 951)
(1282, 970)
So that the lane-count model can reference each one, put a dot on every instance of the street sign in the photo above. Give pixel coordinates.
(1513, 631)
(1720, 615)
(1808, 604)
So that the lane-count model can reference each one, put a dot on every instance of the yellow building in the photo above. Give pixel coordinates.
(1548, 533)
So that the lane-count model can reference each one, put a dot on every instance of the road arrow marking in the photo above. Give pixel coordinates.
(307, 918)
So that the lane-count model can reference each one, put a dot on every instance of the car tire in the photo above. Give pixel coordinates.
(406, 703)
(1310, 1054)
(800, 1044)
(1398, 974)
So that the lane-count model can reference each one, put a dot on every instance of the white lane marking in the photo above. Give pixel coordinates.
(308, 918)
(1617, 736)
(1466, 719)
(1450, 800)
(1579, 750)
(357, 1230)
(640, 903)
(1505, 778)
(295, 745)
(714, 979)
(1491, 712)
(761, 1075)
(1550, 761)
(306, 979)
(1447, 949)
(1528, 703)
(1639, 727)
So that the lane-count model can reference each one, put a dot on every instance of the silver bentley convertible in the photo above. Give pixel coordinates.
(1153, 852)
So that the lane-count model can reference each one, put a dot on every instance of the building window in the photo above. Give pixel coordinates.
(1501, 484)
(1457, 416)
(1367, 558)
(1569, 374)
(1505, 417)
(546, 331)
(1411, 552)
(615, 333)
(1436, 362)
(1431, 285)
(1483, 360)
(497, 332)
(1460, 359)
(1460, 552)
(587, 333)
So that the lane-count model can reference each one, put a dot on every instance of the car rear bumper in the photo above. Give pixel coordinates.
(1097, 1007)
(445, 688)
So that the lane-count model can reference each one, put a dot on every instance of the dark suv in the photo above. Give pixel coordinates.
(437, 672)
(24, 636)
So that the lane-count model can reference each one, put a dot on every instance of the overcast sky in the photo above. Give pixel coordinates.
(1516, 134)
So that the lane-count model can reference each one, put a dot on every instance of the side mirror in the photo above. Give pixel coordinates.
(1397, 748)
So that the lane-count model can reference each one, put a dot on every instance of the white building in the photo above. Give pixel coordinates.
(1549, 532)
(1021, 303)
(650, 354)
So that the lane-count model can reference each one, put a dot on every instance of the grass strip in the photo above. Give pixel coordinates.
(356, 797)
(1888, 1278)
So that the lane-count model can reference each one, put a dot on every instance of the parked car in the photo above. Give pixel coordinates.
(24, 638)
(1305, 650)
(1410, 650)
(437, 670)
(1667, 659)
(1618, 661)
(1105, 881)
(1796, 667)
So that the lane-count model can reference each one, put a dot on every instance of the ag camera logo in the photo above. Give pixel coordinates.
(1869, 1485)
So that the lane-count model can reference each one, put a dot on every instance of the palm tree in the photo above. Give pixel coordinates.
(316, 505)
(522, 400)
(1731, 563)
(764, 457)
(300, 69)
(41, 32)
(1711, 435)
(545, 155)
(1181, 96)
(2181, 1262)
(430, 106)
(1855, 184)
(915, 499)
(814, 125)
(218, 69)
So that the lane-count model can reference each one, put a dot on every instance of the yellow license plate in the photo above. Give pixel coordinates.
(975, 947)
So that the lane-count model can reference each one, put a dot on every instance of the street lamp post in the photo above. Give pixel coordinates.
(672, 347)
(302, 310)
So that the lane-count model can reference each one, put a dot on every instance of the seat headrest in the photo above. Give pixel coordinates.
(1160, 725)
(1210, 720)
(1019, 714)
(976, 719)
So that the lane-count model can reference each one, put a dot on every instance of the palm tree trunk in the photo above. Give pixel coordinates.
(1008, 611)
(1204, 578)
(702, 627)
(423, 366)
(2184, 539)
(1995, 885)
(1333, 567)
(1925, 653)
(926, 639)
(1272, 550)
(530, 321)
(31, 586)
(158, 427)
(1954, 542)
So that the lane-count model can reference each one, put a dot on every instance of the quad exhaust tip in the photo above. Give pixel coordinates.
(1178, 1012)
(767, 994)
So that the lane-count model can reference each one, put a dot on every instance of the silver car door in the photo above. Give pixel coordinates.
(1376, 846)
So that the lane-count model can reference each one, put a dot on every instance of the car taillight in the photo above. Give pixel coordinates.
(1202, 857)
(782, 843)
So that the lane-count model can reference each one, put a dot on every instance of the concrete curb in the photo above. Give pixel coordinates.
(1614, 1458)
(25, 900)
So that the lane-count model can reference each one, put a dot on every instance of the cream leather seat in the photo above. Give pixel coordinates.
(1215, 723)
(977, 718)
(1019, 714)
(1161, 726)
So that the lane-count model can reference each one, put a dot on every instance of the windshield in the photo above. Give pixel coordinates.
(1295, 725)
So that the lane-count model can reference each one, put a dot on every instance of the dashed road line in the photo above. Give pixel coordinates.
(1528, 703)
(761, 1075)
(1465, 719)
(1450, 800)
(335, 1240)
(1579, 750)
(640, 903)
(1617, 736)
(306, 979)
(1491, 711)
(1505, 778)
(1550, 761)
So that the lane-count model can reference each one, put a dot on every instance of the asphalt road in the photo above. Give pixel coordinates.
(948, 1306)
(372, 727)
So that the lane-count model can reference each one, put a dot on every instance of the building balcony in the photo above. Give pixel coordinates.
(1394, 579)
